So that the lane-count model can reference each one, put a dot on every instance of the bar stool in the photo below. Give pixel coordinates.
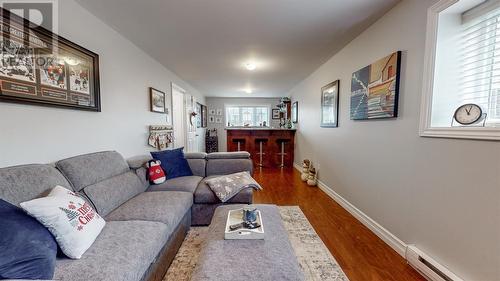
(282, 154)
(239, 142)
(261, 153)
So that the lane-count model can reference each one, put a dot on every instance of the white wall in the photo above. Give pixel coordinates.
(441, 194)
(220, 103)
(31, 134)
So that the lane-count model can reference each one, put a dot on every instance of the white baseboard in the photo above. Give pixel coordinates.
(389, 238)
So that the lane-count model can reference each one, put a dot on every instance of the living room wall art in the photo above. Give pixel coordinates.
(199, 116)
(204, 118)
(295, 112)
(330, 105)
(375, 89)
(40, 67)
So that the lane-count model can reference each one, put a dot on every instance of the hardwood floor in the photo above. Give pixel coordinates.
(361, 254)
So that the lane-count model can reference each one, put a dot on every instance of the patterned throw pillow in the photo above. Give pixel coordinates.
(226, 187)
(73, 222)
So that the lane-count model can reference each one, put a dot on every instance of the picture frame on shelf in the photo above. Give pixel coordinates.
(275, 113)
(330, 105)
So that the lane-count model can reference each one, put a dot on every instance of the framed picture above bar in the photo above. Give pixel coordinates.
(375, 89)
(39, 67)
(330, 105)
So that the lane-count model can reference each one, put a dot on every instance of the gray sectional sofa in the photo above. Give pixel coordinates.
(145, 225)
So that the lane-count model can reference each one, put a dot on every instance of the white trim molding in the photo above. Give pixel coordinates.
(390, 239)
(426, 129)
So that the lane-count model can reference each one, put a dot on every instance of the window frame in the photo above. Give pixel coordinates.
(268, 107)
(425, 128)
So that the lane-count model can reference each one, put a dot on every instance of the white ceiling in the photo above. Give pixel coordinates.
(207, 42)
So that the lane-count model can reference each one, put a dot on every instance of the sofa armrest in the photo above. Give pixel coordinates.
(224, 163)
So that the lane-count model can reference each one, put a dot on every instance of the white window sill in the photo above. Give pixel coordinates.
(478, 133)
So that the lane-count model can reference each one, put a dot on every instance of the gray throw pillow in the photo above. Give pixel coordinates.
(226, 187)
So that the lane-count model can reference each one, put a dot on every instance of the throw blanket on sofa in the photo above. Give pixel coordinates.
(226, 187)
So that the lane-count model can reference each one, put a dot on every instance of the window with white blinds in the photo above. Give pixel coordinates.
(247, 115)
(480, 65)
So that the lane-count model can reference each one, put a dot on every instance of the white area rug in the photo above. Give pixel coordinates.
(314, 257)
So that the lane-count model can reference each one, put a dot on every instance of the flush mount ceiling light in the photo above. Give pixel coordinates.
(248, 91)
(250, 66)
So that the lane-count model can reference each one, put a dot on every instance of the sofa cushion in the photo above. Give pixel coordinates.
(198, 166)
(168, 207)
(108, 194)
(186, 184)
(23, 183)
(123, 251)
(205, 195)
(228, 166)
(71, 220)
(88, 169)
(173, 163)
(28, 250)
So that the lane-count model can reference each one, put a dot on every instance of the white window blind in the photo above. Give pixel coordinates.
(247, 115)
(480, 65)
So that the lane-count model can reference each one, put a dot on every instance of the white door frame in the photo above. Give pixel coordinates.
(179, 117)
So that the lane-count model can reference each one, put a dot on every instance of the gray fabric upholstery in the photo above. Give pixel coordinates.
(111, 193)
(228, 166)
(123, 251)
(229, 155)
(88, 169)
(141, 173)
(195, 155)
(186, 184)
(138, 161)
(205, 195)
(269, 259)
(167, 207)
(23, 183)
(202, 213)
(198, 166)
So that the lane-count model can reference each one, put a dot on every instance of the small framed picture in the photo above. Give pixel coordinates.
(212, 112)
(276, 113)
(218, 120)
(204, 116)
(219, 111)
(211, 119)
(295, 112)
(330, 105)
(157, 99)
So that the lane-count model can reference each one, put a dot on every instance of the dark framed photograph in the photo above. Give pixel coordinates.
(199, 115)
(40, 67)
(295, 112)
(157, 99)
(330, 105)
(276, 113)
(375, 89)
(204, 118)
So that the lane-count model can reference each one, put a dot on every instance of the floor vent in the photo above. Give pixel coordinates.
(428, 267)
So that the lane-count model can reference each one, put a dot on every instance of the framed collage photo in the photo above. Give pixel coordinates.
(39, 67)
(330, 105)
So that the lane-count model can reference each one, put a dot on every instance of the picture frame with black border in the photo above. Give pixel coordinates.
(330, 105)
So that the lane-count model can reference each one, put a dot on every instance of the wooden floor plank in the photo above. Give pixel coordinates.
(361, 254)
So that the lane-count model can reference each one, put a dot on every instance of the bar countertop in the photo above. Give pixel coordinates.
(257, 129)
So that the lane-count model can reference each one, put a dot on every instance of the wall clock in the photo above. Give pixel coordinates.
(468, 114)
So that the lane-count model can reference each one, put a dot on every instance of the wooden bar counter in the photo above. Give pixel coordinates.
(269, 147)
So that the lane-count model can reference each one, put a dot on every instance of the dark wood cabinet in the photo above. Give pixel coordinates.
(277, 145)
